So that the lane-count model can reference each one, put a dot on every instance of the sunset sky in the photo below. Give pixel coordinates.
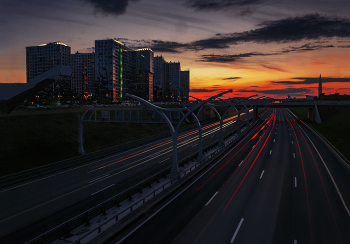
(267, 47)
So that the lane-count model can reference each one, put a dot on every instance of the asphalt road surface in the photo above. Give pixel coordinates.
(36, 206)
(280, 184)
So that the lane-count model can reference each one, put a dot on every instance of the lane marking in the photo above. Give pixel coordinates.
(240, 163)
(136, 228)
(276, 133)
(262, 173)
(194, 145)
(96, 169)
(155, 155)
(292, 142)
(293, 155)
(98, 178)
(290, 134)
(211, 198)
(253, 146)
(295, 182)
(272, 119)
(236, 232)
(335, 184)
(163, 160)
(274, 140)
(102, 189)
(270, 152)
(295, 242)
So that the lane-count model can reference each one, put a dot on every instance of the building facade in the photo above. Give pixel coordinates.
(142, 83)
(159, 79)
(108, 70)
(185, 85)
(173, 80)
(83, 75)
(109, 73)
(44, 57)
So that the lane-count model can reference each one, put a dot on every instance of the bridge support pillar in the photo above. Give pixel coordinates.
(255, 114)
(310, 114)
(313, 115)
(239, 123)
(248, 117)
(80, 136)
(317, 117)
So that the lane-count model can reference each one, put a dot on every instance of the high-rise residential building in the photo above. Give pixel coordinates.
(159, 79)
(120, 70)
(128, 70)
(173, 79)
(108, 69)
(185, 85)
(83, 75)
(44, 57)
(142, 84)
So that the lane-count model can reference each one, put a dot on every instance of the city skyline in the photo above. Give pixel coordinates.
(266, 47)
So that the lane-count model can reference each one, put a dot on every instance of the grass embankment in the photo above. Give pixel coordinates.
(335, 125)
(34, 138)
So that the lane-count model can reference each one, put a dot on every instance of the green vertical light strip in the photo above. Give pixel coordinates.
(121, 71)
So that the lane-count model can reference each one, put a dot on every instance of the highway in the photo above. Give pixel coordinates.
(36, 206)
(280, 184)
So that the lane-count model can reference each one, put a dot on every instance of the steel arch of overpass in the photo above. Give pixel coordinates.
(185, 111)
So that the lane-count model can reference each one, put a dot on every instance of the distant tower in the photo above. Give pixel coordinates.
(319, 86)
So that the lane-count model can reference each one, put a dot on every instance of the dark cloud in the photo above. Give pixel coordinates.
(310, 80)
(235, 57)
(232, 78)
(253, 86)
(308, 27)
(305, 47)
(344, 46)
(230, 58)
(155, 45)
(274, 68)
(166, 46)
(110, 7)
(245, 12)
(214, 5)
(204, 90)
(286, 91)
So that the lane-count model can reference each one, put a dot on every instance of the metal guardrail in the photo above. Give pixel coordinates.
(342, 159)
(64, 230)
(84, 218)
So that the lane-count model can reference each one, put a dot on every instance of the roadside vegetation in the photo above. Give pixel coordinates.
(32, 138)
(335, 125)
